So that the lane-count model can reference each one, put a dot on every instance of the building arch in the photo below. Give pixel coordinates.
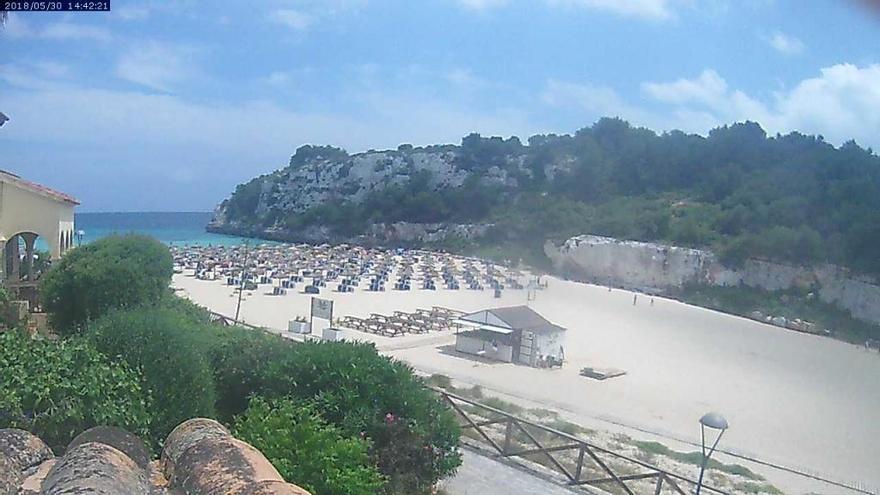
(19, 256)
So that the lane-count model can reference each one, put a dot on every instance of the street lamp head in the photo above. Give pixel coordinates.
(714, 420)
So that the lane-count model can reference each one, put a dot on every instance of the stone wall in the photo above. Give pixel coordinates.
(657, 268)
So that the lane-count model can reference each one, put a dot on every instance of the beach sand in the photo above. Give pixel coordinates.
(794, 399)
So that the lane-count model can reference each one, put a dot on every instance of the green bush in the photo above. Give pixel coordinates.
(306, 450)
(58, 390)
(355, 389)
(358, 390)
(165, 344)
(114, 272)
(239, 359)
(8, 315)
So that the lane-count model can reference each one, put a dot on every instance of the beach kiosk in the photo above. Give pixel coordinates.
(515, 334)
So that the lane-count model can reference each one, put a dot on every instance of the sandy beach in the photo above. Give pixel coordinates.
(799, 400)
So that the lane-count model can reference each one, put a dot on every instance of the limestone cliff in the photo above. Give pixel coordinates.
(657, 267)
(321, 176)
(738, 191)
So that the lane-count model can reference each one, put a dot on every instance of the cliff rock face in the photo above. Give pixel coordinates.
(318, 176)
(320, 179)
(658, 267)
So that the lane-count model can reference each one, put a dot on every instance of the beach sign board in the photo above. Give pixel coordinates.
(322, 308)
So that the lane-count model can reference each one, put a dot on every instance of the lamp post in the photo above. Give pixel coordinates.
(713, 421)
(242, 285)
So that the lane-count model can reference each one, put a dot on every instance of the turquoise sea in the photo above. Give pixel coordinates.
(185, 228)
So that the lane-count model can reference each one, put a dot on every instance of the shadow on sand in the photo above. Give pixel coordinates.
(449, 350)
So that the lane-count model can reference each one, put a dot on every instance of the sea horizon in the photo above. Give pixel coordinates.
(174, 228)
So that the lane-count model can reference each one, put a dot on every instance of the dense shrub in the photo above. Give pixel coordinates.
(360, 391)
(306, 450)
(355, 389)
(8, 313)
(59, 389)
(167, 346)
(239, 359)
(114, 272)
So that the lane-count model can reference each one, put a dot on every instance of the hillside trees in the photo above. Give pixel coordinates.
(736, 190)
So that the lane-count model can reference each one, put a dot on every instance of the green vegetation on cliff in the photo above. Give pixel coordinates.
(791, 198)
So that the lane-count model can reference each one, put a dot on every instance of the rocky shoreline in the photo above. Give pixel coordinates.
(398, 234)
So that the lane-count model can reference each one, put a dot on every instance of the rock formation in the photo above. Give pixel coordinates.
(653, 267)
(319, 176)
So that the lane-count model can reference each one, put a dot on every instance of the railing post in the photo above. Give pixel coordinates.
(508, 429)
(659, 485)
(580, 465)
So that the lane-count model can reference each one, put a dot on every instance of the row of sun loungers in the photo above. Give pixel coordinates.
(345, 268)
(401, 323)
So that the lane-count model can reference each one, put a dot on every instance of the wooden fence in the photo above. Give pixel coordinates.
(586, 463)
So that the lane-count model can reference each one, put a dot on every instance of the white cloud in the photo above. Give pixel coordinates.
(649, 9)
(481, 4)
(842, 102)
(133, 117)
(55, 70)
(293, 19)
(594, 101)
(465, 79)
(646, 9)
(153, 135)
(787, 45)
(35, 75)
(157, 65)
(301, 15)
(70, 31)
(17, 27)
(708, 88)
(278, 78)
(131, 13)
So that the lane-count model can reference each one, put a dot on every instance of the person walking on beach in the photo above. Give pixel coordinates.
(635, 298)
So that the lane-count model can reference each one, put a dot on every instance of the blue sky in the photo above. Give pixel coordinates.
(167, 105)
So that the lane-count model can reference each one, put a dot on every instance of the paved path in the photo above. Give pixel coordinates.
(479, 475)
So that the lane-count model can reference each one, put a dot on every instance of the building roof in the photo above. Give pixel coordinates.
(37, 188)
(514, 317)
(199, 456)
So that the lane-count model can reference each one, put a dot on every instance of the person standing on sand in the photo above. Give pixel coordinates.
(635, 298)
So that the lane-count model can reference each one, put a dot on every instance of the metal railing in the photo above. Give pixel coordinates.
(546, 446)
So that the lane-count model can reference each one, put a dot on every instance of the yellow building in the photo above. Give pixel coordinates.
(29, 211)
